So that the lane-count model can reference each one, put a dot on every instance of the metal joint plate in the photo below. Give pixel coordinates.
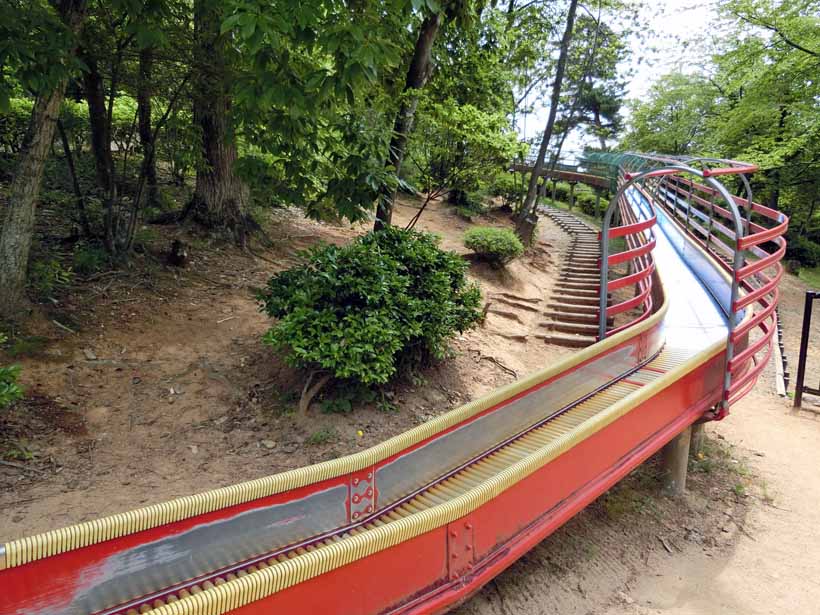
(460, 547)
(362, 494)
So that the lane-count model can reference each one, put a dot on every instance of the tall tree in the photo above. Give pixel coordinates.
(18, 221)
(220, 197)
(530, 200)
(94, 90)
(671, 118)
(417, 76)
(144, 94)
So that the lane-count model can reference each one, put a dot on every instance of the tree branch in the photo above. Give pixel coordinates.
(773, 28)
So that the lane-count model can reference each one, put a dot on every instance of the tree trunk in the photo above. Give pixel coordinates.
(18, 218)
(75, 183)
(98, 121)
(220, 197)
(600, 129)
(529, 201)
(417, 76)
(774, 174)
(144, 94)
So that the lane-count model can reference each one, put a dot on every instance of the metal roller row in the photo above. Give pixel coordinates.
(452, 486)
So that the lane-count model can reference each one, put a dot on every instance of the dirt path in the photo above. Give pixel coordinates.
(166, 389)
(775, 565)
(758, 554)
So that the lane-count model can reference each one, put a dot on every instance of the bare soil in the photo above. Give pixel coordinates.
(165, 388)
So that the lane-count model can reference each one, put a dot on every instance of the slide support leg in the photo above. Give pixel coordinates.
(675, 460)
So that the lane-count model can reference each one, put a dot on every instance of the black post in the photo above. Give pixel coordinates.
(804, 347)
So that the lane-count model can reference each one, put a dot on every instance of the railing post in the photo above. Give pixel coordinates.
(689, 205)
(804, 348)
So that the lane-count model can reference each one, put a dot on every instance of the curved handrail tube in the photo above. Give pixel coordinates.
(632, 278)
(739, 245)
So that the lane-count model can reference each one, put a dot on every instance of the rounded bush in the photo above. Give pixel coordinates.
(496, 245)
(359, 311)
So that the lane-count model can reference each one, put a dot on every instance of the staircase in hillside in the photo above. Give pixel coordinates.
(572, 315)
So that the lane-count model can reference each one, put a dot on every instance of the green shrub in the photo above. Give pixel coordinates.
(10, 391)
(496, 245)
(510, 188)
(14, 123)
(45, 277)
(803, 250)
(89, 258)
(359, 311)
(586, 203)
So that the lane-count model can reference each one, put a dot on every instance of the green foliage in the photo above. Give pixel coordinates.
(510, 188)
(361, 310)
(496, 245)
(457, 146)
(586, 202)
(47, 276)
(89, 258)
(671, 118)
(10, 390)
(757, 102)
(36, 49)
(322, 436)
(811, 276)
(27, 346)
(801, 249)
(14, 120)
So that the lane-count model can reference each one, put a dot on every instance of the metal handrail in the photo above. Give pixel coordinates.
(759, 289)
(638, 252)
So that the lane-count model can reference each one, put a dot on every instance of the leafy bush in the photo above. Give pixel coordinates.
(511, 189)
(45, 277)
(496, 245)
(470, 204)
(10, 391)
(586, 202)
(14, 123)
(361, 310)
(803, 250)
(89, 258)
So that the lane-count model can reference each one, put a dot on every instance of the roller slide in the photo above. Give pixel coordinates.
(421, 521)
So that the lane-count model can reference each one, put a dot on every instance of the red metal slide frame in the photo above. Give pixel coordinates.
(502, 530)
(432, 571)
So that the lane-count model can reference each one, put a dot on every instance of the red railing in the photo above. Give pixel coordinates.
(640, 241)
(757, 271)
(744, 237)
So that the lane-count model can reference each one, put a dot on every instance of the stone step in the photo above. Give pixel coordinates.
(572, 327)
(570, 340)
(583, 317)
(575, 300)
(577, 292)
(562, 306)
(570, 270)
(591, 286)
